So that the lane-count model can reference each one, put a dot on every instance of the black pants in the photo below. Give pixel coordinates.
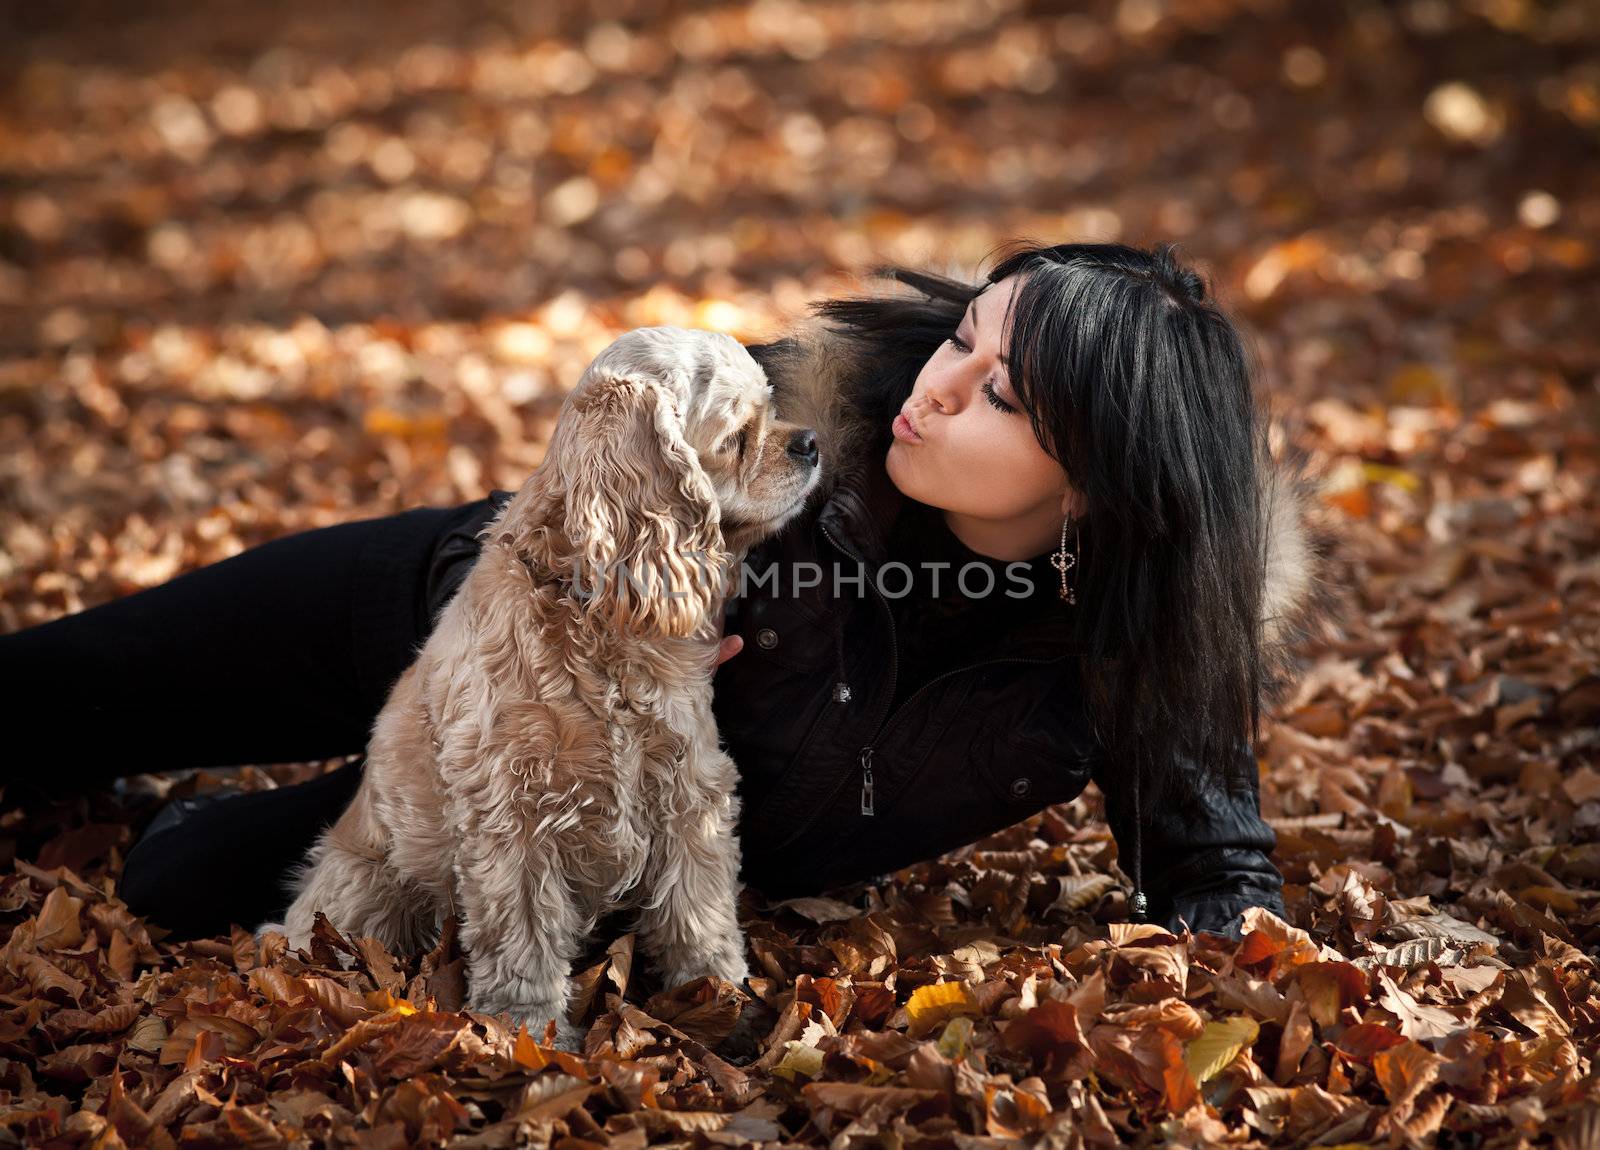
(283, 653)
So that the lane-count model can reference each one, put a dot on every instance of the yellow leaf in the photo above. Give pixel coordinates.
(933, 1004)
(1218, 1045)
(956, 1038)
(381, 1000)
(798, 1058)
(1382, 473)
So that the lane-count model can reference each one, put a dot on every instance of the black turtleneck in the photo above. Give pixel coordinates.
(935, 633)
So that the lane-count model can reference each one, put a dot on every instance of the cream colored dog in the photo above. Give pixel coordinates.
(551, 754)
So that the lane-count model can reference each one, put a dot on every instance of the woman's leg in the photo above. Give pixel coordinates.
(285, 652)
(282, 653)
(214, 860)
(250, 659)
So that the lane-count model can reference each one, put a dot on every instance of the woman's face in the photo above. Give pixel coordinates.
(973, 452)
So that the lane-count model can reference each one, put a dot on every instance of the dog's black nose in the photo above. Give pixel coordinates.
(803, 445)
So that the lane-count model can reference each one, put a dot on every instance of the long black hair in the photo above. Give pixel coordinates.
(1139, 384)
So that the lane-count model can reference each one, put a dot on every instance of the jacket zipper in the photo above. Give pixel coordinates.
(867, 751)
(868, 787)
(867, 790)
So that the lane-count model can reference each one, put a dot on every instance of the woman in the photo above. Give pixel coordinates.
(1049, 547)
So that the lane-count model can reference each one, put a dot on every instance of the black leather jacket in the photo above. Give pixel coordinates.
(804, 711)
(974, 750)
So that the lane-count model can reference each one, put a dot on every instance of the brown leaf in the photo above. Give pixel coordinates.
(1417, 1020)
(1049, 1035)
(1366, 1040)
(58, 927)
(1296, 1040)
(1405, 1071)
(1330, 987)
(418, 1043)
(853, 1099)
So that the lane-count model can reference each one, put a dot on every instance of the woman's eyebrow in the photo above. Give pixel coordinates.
(972, 318)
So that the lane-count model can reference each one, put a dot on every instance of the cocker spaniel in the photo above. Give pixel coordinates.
(551, 755)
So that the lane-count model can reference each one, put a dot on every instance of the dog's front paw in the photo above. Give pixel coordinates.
(536, 1018)
(735, 970)
(728, 962)
(730, 966)
(295, 944)
(568, 1037)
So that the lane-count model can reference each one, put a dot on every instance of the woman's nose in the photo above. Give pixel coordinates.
(944, 393)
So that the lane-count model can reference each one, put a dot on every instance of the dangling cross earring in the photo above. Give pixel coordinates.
(1064, 562)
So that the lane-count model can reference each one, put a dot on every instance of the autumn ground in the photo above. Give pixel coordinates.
(269, 267)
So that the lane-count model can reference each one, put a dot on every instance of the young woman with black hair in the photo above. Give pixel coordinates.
(1049, 546)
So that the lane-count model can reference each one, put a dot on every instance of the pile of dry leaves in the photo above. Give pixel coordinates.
(970, 1003)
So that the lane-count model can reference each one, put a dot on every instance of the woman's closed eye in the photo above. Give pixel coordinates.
(988, 386)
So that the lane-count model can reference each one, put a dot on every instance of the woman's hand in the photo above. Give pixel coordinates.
(730, 645)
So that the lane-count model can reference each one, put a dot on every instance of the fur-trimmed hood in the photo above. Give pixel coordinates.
(814, 370)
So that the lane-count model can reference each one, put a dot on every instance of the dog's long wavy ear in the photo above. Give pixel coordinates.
(640, 511)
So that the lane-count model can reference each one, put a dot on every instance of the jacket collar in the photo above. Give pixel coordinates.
(861, 509)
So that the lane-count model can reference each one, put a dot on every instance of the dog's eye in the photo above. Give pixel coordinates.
(734, 441)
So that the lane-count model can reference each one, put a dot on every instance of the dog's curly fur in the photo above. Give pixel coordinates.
(552, 755)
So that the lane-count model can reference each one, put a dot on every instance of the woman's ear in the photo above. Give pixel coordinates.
(640, 511)
(1073, 503)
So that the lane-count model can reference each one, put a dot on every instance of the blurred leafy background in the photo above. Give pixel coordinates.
(268, 267)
